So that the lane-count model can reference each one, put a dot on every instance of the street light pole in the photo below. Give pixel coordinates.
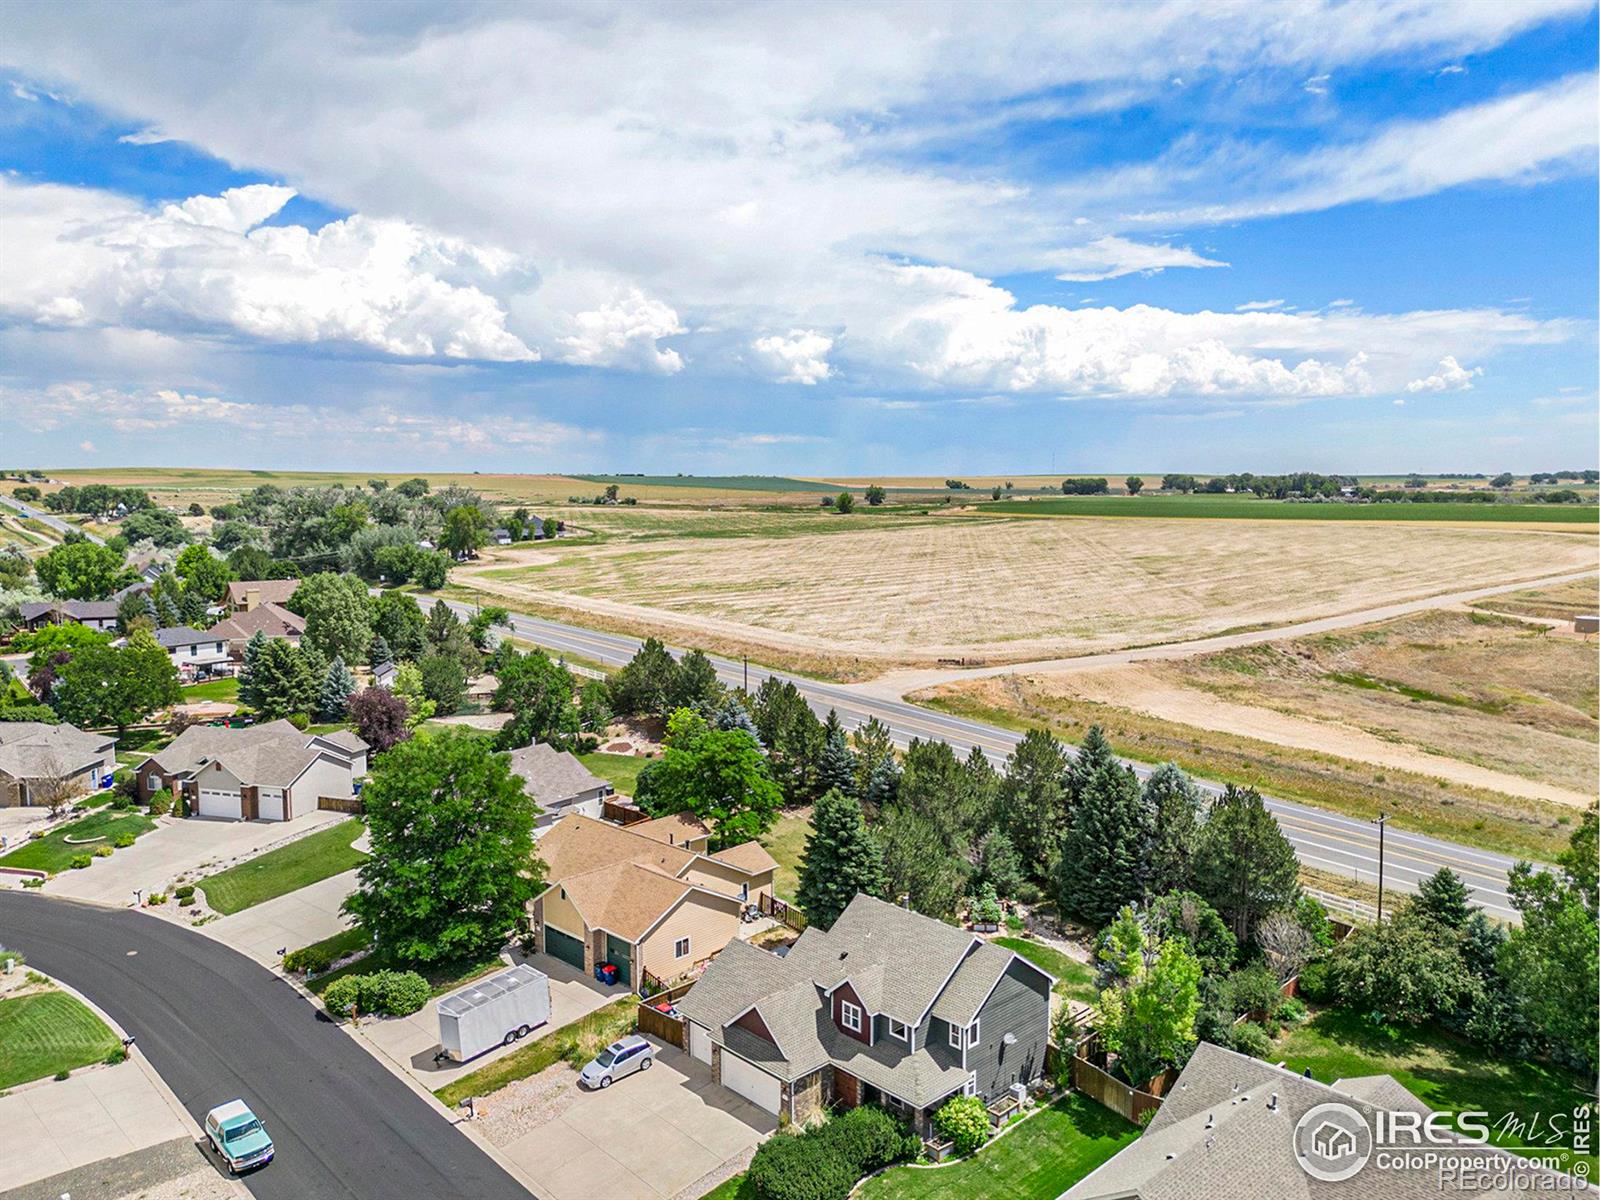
(1382, 823)
(747, 674)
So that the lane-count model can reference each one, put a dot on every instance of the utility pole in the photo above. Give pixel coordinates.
(747, 674)
(1382, 822)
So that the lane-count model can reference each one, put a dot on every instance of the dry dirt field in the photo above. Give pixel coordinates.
(892, 591)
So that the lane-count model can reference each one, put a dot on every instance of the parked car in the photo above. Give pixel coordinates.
(238, 1136)
(617, 1061)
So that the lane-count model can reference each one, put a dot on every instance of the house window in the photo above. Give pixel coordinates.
(955, 1037)
(850, 1015)
(155, 782)
(744, 891)
(680, 948)
(193, 650)
(970, 1087)
(972, 1033)
(898, 1029)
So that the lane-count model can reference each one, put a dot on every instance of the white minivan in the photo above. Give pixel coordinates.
(617, 1061)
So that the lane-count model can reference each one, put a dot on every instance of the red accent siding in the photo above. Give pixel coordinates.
(751, 1022)
(845, 992)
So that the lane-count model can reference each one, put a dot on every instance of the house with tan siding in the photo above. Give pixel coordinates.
(270, 772)
(640, 902)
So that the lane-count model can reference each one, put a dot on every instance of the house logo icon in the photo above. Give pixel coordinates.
(1332, 1142)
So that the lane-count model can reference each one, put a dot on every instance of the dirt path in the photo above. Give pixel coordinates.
(1143, 690)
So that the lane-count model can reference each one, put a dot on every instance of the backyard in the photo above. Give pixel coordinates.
(1074, 979)
(786, 842)
(1445, 1074)
(621, 771)
(286, 869)
(47, 1032)
(224, 690)
(54, 853)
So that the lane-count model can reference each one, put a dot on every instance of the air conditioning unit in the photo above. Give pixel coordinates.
(1019, 1092)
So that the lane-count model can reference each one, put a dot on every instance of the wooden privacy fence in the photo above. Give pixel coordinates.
(344, 804)
(1129, 1102)
(667, 1027)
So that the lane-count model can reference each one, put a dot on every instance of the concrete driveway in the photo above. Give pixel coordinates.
(285, 922)
(179, 847)
(409, 1043)
(648, 1137)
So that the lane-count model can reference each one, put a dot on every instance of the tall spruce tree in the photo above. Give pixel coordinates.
(1033, 803)
(836, 769)
(883, 788)
(1172, 814)
(1100, 857)
(1243, 864)
(333, 698)
(841, 858)
(248, 695)
(378, 651)
(1444, 898)
(873, 743)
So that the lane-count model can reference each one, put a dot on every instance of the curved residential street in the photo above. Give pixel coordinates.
(215, 1026)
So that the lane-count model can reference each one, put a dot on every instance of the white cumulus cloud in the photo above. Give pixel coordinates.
(1450, 377)
(800, 356)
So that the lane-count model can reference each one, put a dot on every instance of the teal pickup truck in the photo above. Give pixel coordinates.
(238, 1136)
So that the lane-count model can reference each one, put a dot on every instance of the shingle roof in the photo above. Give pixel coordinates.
(625, 898)
(271, 619)
(973, 981)
(577, 844)
(674, 829)
(749, 857)
(344, 739)
(201, 743)
(552, 775)
(1219, 1136)
(270, 591)
(275, 763)
(36, 750)
(183, 635)
(77, 610)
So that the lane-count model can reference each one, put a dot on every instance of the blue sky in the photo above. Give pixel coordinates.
(803, 239)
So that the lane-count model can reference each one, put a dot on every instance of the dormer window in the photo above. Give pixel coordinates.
(898, 1029)
(850, 1016)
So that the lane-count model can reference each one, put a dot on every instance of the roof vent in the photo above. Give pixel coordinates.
(1272, 1104)
(1211, 1120)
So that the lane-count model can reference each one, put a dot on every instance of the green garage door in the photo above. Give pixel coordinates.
(564, 946)
(620, 953)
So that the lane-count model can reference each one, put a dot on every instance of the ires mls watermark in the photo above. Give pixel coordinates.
(1334, 1142)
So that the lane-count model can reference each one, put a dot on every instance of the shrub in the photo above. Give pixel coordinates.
(60, 1075)
(299, 720)
(79, 862)
(124, 804)
(824, 1163)
(160, 804)
(122, 841)
(125, 783)
(382, 993)
(102, 851)
(1314, 984)
(184, 893)
(1253, 989)
(156, 899)
(1249, 1038)
(965, 1121)
(115, 1055)
(33, 883)
(1292, 1011)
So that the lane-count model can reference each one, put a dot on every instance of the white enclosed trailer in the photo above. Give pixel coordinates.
(493, 1012)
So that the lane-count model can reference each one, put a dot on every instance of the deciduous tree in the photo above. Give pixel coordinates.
(538, 695)
(720, 776)
(1146, 1018)
(80, 571)
(338, 615)
(379, 717)
(121, 686)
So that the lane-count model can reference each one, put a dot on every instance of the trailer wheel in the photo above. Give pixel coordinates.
(511, 1036)
(524, 1030)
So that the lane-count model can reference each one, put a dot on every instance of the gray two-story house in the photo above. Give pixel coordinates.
(887, 1007)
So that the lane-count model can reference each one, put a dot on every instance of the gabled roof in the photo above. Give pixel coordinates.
(76, 610)
(275, 763)
(343, 739)
(183, 635)
(674, 829)
(974, 979)
(269, 591)
(271, 619)
(552, 775)
(628, 899)
(199, 744)
(577, 844)
(750, 857)
(37, 750)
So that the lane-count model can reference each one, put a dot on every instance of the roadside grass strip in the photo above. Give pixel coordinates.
(286, 869)
(53, 852)
(1074, 979)
(45, 1033)
(575, 1044)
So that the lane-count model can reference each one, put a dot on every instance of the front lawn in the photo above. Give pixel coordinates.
(441, 977)
(286, 869)
(621, 771)
(1074, 979)
(786, 842)
(576, 1043)
(225, 690)
(1445, 1074)
(48, 1032)
(53, 852)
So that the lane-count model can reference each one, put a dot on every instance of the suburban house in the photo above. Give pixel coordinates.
(271, 772)
(680, 829)
(95, 614)
(1229, 1128)
(620, 897)
(268, 618)
(245, 594)
(39, 762)
(384, 674)
(194, 653)
(558, 783)
(888, 1006)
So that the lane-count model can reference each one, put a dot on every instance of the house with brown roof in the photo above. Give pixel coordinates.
(267, 618)
(99, 615)
(271, 772)
(887, 1006)
(682, 829)
(639, 902)
(243, 595)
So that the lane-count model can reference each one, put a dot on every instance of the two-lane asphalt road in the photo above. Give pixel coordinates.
(216, 1025)
(1327, 841)
(38, 514)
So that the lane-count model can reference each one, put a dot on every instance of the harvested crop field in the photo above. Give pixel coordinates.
(889, 592)
(1562, 602)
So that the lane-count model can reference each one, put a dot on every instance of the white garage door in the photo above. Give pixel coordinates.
(270, 805)
(699, 1043)
(215, 803)
(754, 1084)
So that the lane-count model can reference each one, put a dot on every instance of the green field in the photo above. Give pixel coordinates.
(1074, 979)
(1447, 1075)
(287, 869)
(621, 771)
(1252, 508)
(53, 852)
(45, 1033)
(786, 842)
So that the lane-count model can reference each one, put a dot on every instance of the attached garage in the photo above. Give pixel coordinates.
(699, 1042)
(271, 804)
(754, 1084)
(562, 945)
(217, 803)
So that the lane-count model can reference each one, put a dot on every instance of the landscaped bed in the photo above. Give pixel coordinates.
(441, 977)
(1074, 979)
(53, 852)
(47, 1032)
(286, 869)
(575, 1044)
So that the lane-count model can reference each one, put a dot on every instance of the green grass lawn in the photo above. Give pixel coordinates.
(621, 771)
(213, 689)
(346, 941)
(1074, 979)
(1445, 1074)
(441, 977)
(47, 1032)
(286, 869)
(786, 842)
(1249, 507)
(1041, 1158)
(52, 852)
(576, 1044)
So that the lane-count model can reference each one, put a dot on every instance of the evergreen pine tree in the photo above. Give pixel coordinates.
(334, 696)
(1100, 857)
(1033, 803)
(884, 786)
(1243, 864)
(248, 696)
(1443, 897)
(284, 680)
(734, 715)
(378, 651)
(1172, 815)
(841, 858)
(836, 769)
(873, 744)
